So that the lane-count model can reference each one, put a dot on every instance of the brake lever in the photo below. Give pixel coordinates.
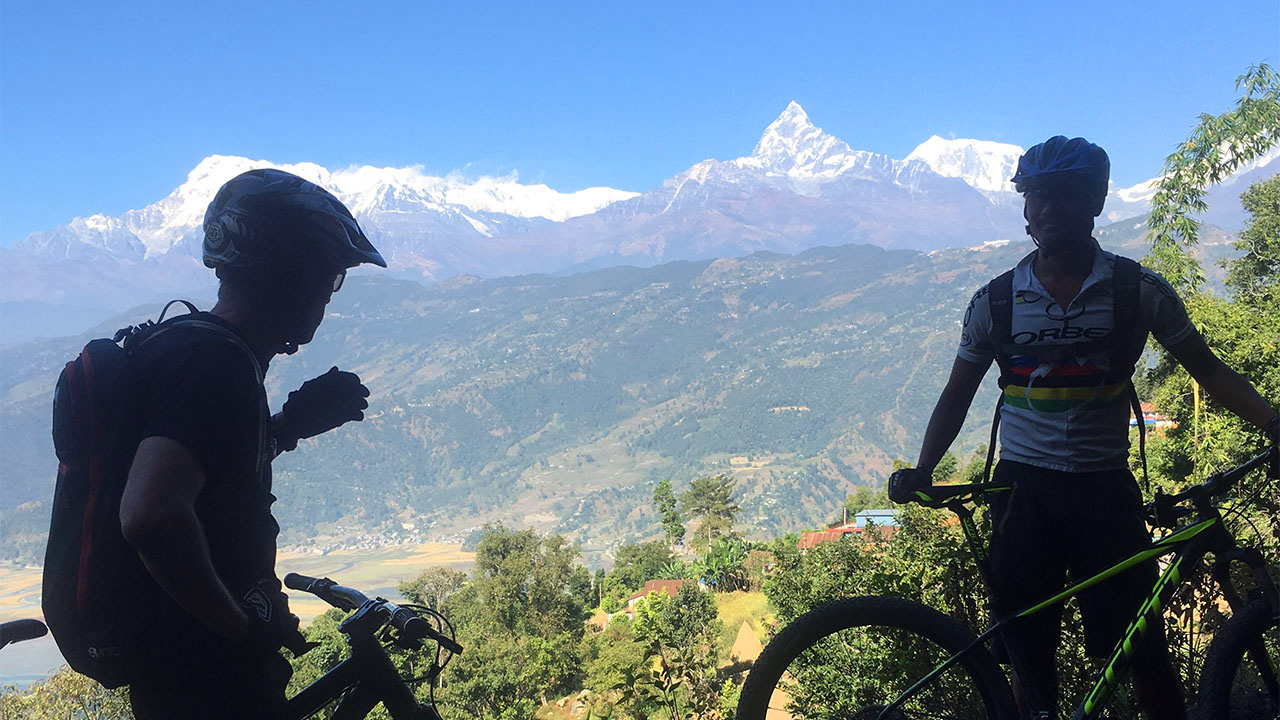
(407, 643)
(1165, 512)
(299, 646)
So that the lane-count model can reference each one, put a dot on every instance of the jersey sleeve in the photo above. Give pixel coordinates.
(1163, 310)
(208, 400)
(976, 343)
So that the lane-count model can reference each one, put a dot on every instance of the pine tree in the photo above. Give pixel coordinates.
(709, 500)
(664, 501)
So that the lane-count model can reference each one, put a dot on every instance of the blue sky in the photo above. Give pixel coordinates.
(106, 106)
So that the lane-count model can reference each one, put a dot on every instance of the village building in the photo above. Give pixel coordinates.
(1152, 420)
(668, 587)
(884, 519)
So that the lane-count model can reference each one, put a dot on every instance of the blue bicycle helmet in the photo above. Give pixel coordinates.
(1058, 159)
(266, 216)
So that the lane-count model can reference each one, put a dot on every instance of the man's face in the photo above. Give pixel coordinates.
(312, 289)
(1059, 215)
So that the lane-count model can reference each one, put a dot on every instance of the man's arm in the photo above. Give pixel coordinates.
(157, 517)
(1225, 385)
(948, 415)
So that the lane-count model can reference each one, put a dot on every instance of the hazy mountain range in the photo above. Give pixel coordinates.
(557, 402)
(799, 188)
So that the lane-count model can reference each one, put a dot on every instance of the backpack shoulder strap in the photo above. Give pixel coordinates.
(1000, 301)
(191, 320)
(226, 334)
(1126, 281)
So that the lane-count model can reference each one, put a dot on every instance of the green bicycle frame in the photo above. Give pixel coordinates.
(1189, 544)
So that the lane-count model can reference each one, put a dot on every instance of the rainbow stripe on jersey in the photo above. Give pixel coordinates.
(1066, 386)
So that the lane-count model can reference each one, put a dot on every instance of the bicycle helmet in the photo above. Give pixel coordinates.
(265, 216)
(1076, 161)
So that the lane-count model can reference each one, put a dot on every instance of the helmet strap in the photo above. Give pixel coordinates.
(1033, 237)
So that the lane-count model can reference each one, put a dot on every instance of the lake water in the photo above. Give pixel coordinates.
(27, 662)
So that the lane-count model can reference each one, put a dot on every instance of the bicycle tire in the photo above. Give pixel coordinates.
(909, 628)
(1231, 685)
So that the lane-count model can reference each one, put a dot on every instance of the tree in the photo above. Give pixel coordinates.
(679, 637)
(865, 497)
(65, 695)
(976, 467)
(1254, 278)
(582, 587)
(664, 501)
(520, 618)
(1243, 330)
(709, 500)
(524, 582)
(609, 659)
(637, 563)
(1217, 147)
(433, 586)
(946, 468)
(723, 565)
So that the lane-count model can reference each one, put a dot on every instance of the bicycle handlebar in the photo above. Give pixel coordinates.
(941, 495)
(1163, 510)
(405, 620)
(343, 598)
(19, 630)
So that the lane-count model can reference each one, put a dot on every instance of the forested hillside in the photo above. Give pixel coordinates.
(559, 402)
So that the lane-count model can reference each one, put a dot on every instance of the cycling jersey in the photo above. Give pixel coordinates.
(206, 396)
(1064, 414)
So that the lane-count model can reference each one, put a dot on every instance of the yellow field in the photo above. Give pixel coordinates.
(734, 608)
(373, 572)
(19, 594)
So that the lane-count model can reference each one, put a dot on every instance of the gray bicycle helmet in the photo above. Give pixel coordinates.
(1058, 159)
(266, 216)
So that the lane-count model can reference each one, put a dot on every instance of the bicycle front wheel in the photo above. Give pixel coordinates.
(1240, 670)
(849, 659)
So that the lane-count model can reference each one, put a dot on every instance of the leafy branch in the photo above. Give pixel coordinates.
(1217, 147)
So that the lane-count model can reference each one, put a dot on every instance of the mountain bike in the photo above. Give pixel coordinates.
(16, 631)
(369, 676)
(891, 658)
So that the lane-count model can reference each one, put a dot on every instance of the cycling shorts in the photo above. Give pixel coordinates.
(1057, 526)
(211, 681)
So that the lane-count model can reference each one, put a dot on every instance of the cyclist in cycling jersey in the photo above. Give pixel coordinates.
(1067, 357)
(197, 502)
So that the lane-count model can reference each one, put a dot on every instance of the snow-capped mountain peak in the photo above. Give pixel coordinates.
(794, 146)
(983, 164)
(367, 191)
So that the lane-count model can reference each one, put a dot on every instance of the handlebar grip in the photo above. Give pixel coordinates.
(20, 630)
(336, 595)
(294, 581)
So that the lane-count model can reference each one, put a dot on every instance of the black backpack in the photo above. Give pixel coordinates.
(95, 588)
(1123, 345)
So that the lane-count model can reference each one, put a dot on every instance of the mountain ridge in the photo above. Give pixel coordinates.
(556, 402)
(800, 187)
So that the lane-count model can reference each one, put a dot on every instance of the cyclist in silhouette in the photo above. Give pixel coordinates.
(197, 503)
(1066, 329)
